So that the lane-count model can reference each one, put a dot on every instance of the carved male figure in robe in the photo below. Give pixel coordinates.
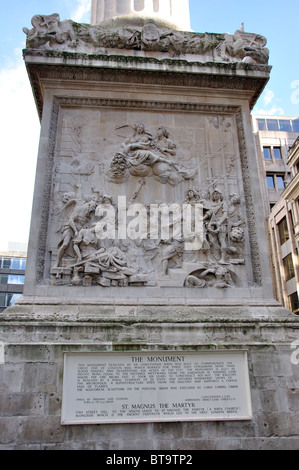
(217, 223)
(81, 214)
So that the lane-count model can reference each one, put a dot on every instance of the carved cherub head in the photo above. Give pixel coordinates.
(192, 194)
(235, 198)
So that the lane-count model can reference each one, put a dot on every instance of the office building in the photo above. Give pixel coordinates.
(275, 135)
(284, 237)
(12, 275)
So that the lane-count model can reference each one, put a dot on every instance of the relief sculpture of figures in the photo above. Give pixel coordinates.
(154, 214)
(214, 276)
(142, 154)
(86, 258)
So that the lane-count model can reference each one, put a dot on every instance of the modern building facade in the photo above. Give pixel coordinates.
(275, 135)
(284, 237)
(277, 147)
(12, 276)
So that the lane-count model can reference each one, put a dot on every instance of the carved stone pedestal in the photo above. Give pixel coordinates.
(38, 336)
(147, 232)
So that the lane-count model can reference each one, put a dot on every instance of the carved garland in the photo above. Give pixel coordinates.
(148, 105)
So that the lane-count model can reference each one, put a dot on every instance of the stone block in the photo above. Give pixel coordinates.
(22, 404)
(274, 401)
(43, 430)
(11, 378)
(293, 399)
(40, 377)
(278, 424)
(53, 403)
(8, 427)
(27, 353)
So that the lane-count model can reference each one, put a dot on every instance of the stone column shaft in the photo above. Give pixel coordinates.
(174, 12)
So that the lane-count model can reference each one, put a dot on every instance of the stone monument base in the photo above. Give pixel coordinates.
(36, 337)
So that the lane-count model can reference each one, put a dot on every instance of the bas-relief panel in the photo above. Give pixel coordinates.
(147, 198)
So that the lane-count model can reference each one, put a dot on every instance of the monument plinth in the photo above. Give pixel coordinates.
(147, 235)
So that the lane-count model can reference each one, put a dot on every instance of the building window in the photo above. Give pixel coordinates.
(294, 303)
(262, 124)
(16, 279)
(8, 299)
(267, 153)
(13, 263)
(3, 279)
(285, 125)
(270, 182)
(5, 263)
(277, 153)
(282, 125)
(295, 125)
(288, 265)
(280, 182)
(275, 182)
(272, 125)
(18, 263)
(283, 231)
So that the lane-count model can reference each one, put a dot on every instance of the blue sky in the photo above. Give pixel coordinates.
(276, 20)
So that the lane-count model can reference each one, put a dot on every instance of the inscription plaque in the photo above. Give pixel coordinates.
(155, 386)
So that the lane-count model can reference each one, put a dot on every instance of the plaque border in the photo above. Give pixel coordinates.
(92, 421)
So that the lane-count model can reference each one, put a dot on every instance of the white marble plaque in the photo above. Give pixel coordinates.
(154, 387)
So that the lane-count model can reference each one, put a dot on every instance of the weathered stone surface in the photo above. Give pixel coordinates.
(37, 384)
(158, 116)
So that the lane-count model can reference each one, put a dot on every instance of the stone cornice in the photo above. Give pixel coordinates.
(87, 59)
(141, 70)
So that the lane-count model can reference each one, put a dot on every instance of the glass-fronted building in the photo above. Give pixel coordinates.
(12, 277)
(277, 139)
